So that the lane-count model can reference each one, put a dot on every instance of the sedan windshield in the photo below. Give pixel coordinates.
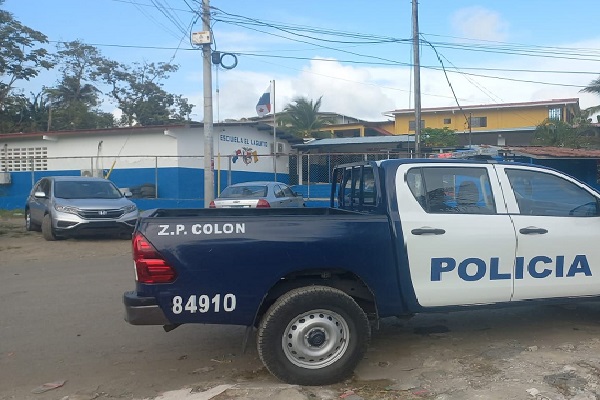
(86, 190)
(244, 192)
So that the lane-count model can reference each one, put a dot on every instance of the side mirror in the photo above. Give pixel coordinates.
(128, 194)
(40, 195)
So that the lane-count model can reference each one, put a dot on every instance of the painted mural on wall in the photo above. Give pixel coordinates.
(249, 153)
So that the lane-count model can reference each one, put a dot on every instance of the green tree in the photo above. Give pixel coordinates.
(21, 54)
(79, 65)
(75, 100)
(139, 94)
(594, 88)
(439, 137)
(302, 118)
(559, 133)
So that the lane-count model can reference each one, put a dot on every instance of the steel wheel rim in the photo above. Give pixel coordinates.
(315, 339)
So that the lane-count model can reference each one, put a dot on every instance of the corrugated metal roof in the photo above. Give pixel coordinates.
(357, 140)
(552, 152)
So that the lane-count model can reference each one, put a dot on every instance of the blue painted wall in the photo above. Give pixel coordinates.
(177, 187)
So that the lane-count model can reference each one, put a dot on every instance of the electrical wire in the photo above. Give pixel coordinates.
(449, 83)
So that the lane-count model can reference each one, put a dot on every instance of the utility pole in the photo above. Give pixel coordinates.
(470, 128)
(209, 185)
(274, 137)
(417, 73)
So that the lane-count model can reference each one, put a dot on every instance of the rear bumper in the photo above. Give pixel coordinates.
(143, 310)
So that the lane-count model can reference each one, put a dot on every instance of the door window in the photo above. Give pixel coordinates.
(278, 191)
(288, 192)
(539, 193)
(45, 187)
(452, 190)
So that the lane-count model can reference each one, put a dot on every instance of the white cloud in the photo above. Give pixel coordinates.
(480, 23)
(367, 92)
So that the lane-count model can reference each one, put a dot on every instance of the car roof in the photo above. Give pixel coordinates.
(252, 183)
(77, 178)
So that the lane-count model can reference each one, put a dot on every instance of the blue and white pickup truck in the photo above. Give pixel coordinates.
(401, 237)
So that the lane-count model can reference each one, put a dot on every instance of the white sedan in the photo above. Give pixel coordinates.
(258, 195)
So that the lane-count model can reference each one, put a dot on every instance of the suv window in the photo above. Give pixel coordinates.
(455, 190)
(86, 190)
(44, 186)
(540, 193)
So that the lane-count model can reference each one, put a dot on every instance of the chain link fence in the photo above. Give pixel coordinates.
(182, 177)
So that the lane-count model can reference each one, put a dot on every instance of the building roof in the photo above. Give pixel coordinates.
(367, 140)
(281, 133)
(551, 152)
(573, 101)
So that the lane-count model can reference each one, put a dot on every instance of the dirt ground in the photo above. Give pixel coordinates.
(532, 352)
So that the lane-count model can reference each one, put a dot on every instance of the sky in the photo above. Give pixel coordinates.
(354, 55)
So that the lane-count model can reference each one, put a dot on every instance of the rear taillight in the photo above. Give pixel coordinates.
(212, 204)
(150, 267)
(262, 203)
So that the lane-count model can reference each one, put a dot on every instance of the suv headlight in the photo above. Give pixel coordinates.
(66, 209)
(130, 208)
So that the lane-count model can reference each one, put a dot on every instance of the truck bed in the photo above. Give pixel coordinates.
(246, 252)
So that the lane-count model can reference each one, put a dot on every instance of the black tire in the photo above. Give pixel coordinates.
(336, 325)
(30, 225)
(47, 230)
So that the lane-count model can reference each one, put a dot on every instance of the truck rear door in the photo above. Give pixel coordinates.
(459, 238)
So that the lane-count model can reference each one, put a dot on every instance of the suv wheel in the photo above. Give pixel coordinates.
(47, 230)
(30, 225)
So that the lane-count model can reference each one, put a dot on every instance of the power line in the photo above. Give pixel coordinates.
(450, 84)
(505, 48)
(391, 63)
(143, 4)
(138, 6)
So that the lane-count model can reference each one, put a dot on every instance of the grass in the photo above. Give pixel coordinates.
(4, 214)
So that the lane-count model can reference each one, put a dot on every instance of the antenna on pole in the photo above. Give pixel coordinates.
(417, 73)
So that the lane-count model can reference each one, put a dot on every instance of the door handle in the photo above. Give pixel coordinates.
(532, 229)
(426, 231)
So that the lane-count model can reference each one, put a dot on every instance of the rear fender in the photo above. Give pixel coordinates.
(345, 281)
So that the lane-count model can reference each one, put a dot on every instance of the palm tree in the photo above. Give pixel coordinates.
(302, 117)
(594, 88)
(71, 91)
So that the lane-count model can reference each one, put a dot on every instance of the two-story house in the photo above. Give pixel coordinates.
(493, 124)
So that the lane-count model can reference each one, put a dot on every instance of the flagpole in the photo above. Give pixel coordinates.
(274, 136)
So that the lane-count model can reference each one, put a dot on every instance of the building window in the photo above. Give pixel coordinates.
(23, 159)
(478, 122)
(555, 114)
(411, 125)
(447, 121)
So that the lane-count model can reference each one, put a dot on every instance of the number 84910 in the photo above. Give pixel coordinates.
(203, 303)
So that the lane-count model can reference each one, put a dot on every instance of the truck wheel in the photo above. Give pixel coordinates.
(313, 336)
(29, 225)
(47, 230)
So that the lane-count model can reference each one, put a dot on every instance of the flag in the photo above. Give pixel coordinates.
(263, 107)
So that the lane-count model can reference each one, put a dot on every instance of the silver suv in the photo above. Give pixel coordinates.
(68, 206)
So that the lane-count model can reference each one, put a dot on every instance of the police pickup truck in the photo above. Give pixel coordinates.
(401, 237)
